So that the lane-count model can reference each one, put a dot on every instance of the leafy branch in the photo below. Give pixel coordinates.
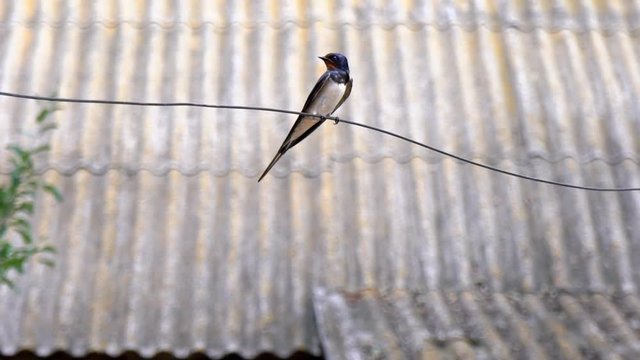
(17, 202)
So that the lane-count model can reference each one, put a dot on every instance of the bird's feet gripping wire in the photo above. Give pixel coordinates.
(335, 119)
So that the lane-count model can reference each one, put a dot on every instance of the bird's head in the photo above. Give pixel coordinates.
(335, 61)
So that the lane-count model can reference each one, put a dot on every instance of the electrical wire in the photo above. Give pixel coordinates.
(333, 118)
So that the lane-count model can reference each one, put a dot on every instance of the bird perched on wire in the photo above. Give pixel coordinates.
(330, 91)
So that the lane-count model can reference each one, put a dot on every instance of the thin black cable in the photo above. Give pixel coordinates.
(161, 104)
(488, 167)
(334, 118)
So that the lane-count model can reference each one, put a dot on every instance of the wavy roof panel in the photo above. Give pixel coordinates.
(165, 240)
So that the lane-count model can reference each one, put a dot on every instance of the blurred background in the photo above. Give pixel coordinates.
(356, 245)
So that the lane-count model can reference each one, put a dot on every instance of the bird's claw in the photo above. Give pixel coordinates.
(335, 119)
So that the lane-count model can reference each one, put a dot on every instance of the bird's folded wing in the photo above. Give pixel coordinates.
(303, 127)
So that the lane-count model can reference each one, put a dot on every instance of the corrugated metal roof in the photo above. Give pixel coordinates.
(166, 241)
(474, 324)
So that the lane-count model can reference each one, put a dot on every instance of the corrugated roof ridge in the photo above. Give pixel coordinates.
(544, 292)
(167, 167)
(414, 26)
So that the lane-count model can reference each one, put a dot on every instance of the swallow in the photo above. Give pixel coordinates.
(330, 91)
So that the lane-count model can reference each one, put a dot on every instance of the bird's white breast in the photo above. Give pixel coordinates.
(324, 104)
(328, 98)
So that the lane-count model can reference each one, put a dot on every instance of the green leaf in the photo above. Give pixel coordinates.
(16, 263)
(16, 180)
(25, 234)
(6, 200)
(43, 115)
(17, 150)
(46, 262)
(21, 223)
(53, 191)
(41, 148)
(28, 161)
(17, 202)
(32, 185)
(5, 249)
(25, 207)
(14, 162)
(5, 280)
(47, 127)
(48, 249)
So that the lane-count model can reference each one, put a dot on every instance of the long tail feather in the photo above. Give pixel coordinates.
(273, 162)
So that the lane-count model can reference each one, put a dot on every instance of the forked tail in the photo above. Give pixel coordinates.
(273, 162)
